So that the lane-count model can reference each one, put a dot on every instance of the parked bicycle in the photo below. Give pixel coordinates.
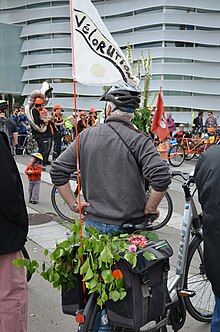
(63, 210)
(173, 152)
(28, 146)
(189, 289)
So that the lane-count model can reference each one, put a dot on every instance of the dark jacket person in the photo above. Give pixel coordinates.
(207, 176)
(13, 232)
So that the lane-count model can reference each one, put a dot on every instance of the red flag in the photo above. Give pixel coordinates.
(159, 125)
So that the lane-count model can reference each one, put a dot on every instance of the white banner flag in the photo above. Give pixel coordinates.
(97, 59)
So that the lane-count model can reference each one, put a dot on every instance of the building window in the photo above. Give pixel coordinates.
(38, 5)
(177, 77)
(41, 21)
(179, 27)
(37, 37)
(60, 35)
(148, 45)
(153, 27)
(175, 9)
(177, 60)
(61, 50)
(153, 10)
(62, 65)
(40, 66)
(40, 52)
(60, 19)
(60, 3)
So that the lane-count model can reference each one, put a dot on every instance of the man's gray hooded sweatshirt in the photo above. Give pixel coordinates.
(116, 161)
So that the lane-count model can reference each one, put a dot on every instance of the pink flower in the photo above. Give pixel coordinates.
(138, 240)
(132, 248)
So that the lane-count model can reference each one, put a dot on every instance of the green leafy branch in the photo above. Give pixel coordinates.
(95, 258)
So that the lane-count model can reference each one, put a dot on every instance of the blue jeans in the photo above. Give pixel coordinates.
(215, 325)
(107, 229)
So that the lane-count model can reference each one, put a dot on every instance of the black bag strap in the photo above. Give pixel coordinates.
(129, 149)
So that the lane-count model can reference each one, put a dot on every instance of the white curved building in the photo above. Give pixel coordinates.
(181, 35)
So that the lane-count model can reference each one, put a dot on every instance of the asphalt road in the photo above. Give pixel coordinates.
(45, 313)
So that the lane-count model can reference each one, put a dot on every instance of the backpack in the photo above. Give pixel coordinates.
(5, 132)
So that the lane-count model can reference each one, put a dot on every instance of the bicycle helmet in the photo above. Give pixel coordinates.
(37, 155)
(126, 97)
(39, 101)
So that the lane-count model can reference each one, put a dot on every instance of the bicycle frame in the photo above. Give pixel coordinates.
(198, 143)
(190, 214)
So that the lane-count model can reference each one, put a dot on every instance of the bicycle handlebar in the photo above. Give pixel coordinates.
(146, 225)
(185, 176)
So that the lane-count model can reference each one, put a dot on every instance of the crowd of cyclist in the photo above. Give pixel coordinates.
(59, 131)
(207, 130)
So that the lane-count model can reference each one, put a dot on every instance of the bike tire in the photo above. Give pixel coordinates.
(190, 155)
(166, 209)
(176, 155)
(60, 206)
(200, 306)
(26, 256)
(31, 146)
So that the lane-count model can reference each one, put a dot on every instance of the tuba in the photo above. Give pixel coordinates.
(44, 93)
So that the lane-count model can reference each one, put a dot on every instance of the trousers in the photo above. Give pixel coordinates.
(13, 295)
(34, 190)
(99, 325)
(215, 325)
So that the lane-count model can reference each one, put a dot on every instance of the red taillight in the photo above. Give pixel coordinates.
(80, 319)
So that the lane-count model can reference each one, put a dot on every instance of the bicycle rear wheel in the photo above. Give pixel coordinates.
(190, 155)
(200, 306)
(176, 155)
(166, 209)
(60, 206)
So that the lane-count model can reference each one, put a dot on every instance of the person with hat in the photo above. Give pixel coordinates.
(39, 123)
(58, 122)
(33, 171)
(92, 120)
(121, 159)
(82, 123)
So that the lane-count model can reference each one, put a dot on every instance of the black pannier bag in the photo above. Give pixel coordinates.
(146, 287)
(73, 299)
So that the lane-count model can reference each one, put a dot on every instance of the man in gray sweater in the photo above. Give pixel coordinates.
(116, 161)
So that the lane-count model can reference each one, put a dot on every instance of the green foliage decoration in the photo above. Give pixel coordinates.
(94, 256)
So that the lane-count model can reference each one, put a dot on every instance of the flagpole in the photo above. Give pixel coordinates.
(75, 111)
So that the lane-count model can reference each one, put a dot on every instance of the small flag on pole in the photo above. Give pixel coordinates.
(159, 125)
(97, 59)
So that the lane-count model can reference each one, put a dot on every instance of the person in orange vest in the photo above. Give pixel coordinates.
(33, 171)
(92, 120)
(82, 123)
(58, 122)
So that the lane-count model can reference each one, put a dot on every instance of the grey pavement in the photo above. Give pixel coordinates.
(46, 235)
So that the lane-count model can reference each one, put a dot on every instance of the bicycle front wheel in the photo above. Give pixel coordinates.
(60, 206)
(176, 155)
(166, 209)
(200, 306)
